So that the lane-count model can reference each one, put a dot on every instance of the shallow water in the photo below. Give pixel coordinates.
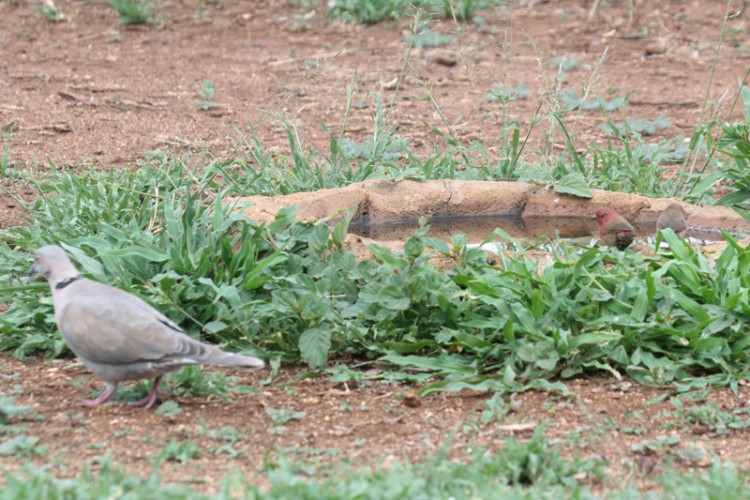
(478, 229)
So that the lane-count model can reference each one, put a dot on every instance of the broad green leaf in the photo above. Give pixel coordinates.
(549, 361)
(385, 255)
(598, 339)
(442, 364)
(319, 239)
(253, 278)
(314, 345)
(89, 265)
(413, 247)
(168, 409)
(472, 341)
(574, 184)
(338, 236)
(475, 383)
(128, 252)
(410, 346)
(438, 245)
(692, 307)
(640, 307)
(215, 326)
(546, 385)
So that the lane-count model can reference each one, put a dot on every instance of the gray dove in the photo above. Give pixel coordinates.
(119, 336)
(673, 217)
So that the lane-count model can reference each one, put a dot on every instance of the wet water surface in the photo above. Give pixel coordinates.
(478, 229)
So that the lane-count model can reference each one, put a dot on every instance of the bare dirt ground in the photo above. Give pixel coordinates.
(371, 424)
(87, 91)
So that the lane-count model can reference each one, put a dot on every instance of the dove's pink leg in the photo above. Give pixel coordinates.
(150, 399)
(102, 398)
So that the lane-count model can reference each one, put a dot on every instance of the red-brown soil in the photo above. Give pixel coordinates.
(88, 91)
(377, 423)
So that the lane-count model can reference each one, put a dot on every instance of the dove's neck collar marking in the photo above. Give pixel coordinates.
(67, 281)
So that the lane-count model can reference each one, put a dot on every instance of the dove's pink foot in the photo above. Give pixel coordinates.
(150, 399)
(102, 398)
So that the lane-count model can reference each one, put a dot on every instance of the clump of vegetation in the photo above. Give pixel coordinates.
(132, 11)
(429, 39)
(234, 281)
(564, 64)
(573, 102)
(221, 276)
(22, 445)
(10, 410)
(206, 93)
(503, 94)
(638, 126)
(49, 10)
(374, 11)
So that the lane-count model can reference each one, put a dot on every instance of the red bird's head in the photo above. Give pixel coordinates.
(604, 215)
(614, 230)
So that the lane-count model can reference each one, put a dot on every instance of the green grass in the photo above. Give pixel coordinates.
(50, 11)
(292, 292)
(206, 93)
(518, 466)
(502, 94)
(163, 231)
(9, 410)
(530, 469)
(374, 11)
(132, 11)
(22, 446)
(182, 451)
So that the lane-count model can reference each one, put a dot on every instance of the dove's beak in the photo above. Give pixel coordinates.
(32, 271)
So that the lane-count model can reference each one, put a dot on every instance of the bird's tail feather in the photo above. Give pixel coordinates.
(230, 359)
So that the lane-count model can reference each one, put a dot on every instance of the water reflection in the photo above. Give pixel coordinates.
(479, 228)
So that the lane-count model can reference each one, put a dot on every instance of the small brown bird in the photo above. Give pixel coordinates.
(674, 218)
(614, 230)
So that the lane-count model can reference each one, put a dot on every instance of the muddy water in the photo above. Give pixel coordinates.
(478, 228)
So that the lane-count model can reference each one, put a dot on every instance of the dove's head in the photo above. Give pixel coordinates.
(53, 263)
